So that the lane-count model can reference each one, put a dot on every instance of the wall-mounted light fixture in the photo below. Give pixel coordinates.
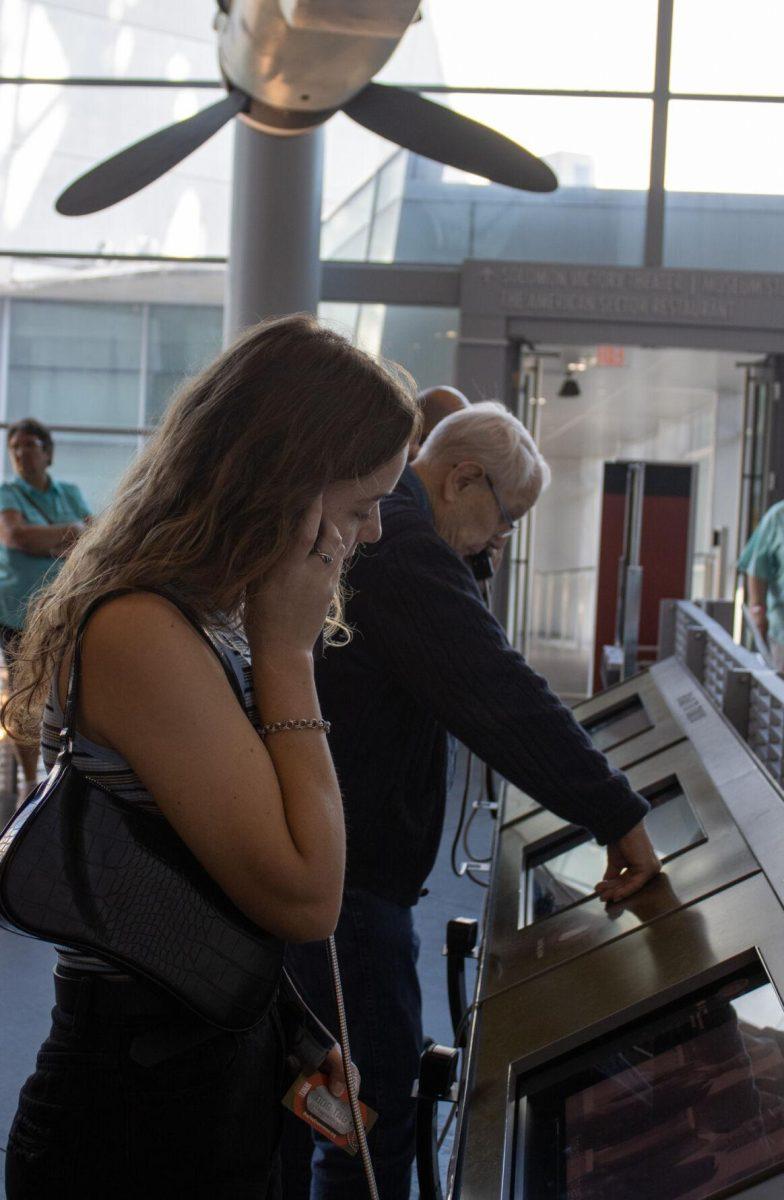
(570, 388)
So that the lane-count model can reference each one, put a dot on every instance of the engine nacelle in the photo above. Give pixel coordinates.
(300, 60)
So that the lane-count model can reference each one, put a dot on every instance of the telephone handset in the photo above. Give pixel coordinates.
(482, 566)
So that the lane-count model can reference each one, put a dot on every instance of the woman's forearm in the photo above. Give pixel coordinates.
(285, 689)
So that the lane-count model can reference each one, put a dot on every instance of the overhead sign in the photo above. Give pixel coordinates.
(638, 295)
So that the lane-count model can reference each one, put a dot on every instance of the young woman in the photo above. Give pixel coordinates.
(265, 474)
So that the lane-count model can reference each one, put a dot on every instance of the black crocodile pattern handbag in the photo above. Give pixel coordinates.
(82, 868)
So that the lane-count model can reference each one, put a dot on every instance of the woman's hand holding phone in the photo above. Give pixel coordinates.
(287, 609)
(284, 614)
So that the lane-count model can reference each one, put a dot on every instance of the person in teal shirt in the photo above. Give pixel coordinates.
(40, 518)
(762, 562)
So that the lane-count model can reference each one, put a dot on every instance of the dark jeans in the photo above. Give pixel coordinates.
(378, 950)
(94, 1123)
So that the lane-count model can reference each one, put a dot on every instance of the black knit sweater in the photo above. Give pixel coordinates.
(428, 657)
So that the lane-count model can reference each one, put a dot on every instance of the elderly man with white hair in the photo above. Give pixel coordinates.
(427, 660)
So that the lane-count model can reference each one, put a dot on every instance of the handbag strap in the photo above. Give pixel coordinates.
(72, 694)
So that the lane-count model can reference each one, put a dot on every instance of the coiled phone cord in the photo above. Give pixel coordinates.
(351, 1086)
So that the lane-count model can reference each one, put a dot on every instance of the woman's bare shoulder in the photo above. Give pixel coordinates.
(143, 639)
(130, 622)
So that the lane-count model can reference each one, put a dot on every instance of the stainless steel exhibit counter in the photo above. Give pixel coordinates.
(636, 1051)
(627, 722)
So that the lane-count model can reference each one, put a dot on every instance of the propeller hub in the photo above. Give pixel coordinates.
(284, 122)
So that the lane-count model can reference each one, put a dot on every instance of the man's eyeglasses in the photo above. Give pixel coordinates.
(506, 516)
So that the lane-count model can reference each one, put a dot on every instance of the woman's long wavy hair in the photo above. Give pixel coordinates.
(215, 497)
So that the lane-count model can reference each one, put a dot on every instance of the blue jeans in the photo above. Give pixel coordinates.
(378, 950)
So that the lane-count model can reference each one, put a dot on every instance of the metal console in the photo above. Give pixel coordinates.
(607, 1039)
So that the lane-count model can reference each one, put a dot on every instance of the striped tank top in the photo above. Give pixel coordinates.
(109, 769)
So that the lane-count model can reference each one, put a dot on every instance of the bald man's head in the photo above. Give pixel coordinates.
(437, 403)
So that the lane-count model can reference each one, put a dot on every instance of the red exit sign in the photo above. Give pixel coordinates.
(609, 356)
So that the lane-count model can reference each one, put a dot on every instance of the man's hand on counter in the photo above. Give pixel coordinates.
(631, 863)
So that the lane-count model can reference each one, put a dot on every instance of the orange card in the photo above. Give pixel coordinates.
(310, 1099)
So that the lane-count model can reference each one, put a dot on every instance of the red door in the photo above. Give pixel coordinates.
(665, 549)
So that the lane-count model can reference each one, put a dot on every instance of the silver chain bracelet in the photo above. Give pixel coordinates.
(303, 723)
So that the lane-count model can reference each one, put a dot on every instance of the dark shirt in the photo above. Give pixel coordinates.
(427, 656)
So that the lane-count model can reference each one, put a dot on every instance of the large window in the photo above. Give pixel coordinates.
(607, 44)
(103, 374)
(599, 149)
(74, 364)
(586, 86)
(49, 135)
(181, 340)
(724, 181)
(722, 47)
(116, 38)
(100, 374)
(423, 340)
(725, 185)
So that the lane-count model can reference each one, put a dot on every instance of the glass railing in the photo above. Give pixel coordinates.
(364, 227)
(563, 602)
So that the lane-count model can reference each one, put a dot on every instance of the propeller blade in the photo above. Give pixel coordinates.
(448, 137)
(133, 168)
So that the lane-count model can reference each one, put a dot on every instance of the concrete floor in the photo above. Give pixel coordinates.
(26, 988)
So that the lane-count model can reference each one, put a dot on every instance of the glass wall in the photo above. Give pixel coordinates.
(423, 340)
(725, 186)
(572, 82)
(414, 210)
(102, 374)
(722, 177)
(49, 135)
(722, 48)
(74, 363)
(607, 44)
(118, 39)
(99, 374)
(181, 339)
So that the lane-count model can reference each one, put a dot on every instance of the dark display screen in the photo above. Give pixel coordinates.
(567, 872)
(624, 722)
(687, 1106)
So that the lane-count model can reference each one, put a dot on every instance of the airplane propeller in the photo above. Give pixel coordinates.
(270, 98)
(448, 137)
(133, 168)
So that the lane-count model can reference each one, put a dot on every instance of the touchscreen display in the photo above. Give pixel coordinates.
(568, 872)
(624, 722)
(687, 1107)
